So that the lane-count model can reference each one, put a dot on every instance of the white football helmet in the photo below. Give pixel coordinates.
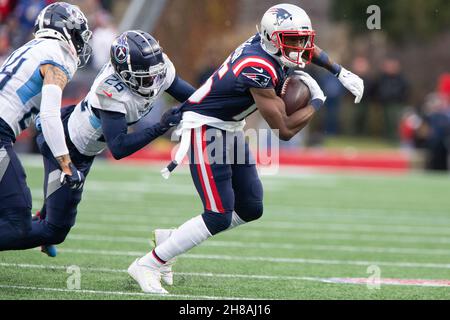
(286, 33)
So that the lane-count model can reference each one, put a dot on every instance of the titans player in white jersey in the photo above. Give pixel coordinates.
(122, 94)
(32, 80)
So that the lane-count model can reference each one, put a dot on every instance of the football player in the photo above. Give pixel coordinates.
(31, 80)
(123, 93)
(248, 80)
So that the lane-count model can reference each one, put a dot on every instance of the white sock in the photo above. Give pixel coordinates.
(236, 221)
(150, 260)
(189, 235)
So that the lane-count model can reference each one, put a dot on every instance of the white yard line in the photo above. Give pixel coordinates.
(275, 214)
(254, 233)
(270, 259)
(155, 211)
(283, 210)
(266, 245)
(274, 225)
(124, 293)
(198, 274)
(400, 282)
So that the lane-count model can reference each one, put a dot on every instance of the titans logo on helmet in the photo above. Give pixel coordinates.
(121, 50)
(121, 54)
(282, 15)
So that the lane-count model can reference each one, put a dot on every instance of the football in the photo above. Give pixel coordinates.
(295, 94)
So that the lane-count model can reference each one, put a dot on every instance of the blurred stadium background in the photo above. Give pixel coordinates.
(404, 117)
(401, 127)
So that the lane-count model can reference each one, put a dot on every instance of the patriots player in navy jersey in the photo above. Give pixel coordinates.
(122, 94)
(250, 79)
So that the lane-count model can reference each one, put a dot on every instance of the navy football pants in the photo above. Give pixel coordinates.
(15, 197)
(225, 176)
(60, 208)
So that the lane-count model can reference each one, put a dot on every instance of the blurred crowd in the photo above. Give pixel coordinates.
(428, 127)
(425, 126)
(385, 110)
(17, 19)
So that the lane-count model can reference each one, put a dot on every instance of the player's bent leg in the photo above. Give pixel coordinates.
(214, 185)
(42, 233)
(159, 236)
(60, 209)
(15, 224)
(58, 214)
(217, 222)
(248, 190)
(250, 211)
(15, 198)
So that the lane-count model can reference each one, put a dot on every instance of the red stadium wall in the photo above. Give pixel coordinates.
(368, 160)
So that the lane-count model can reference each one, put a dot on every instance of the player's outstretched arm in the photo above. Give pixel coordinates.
(122, 144)
(273, 110)
(349, 80)
(180, 89)
(55, 81)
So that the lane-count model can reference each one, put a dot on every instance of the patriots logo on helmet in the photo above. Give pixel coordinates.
(281, 14)
(261, 79)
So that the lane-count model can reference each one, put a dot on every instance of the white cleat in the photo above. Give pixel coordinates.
(159, 236)
(148, 277)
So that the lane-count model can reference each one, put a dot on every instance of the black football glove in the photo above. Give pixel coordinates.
(74, 181)
(171, 118)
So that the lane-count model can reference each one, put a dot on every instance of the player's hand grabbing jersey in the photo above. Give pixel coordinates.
(21, 81)
(109, 94)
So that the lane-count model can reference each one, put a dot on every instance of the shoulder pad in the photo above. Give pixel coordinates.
(60, 55)
(112, 94)
(171, 73)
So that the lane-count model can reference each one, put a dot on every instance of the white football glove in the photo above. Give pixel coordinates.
(314, 88)
(353, 83)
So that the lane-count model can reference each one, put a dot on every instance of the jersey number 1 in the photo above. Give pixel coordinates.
(8, 74)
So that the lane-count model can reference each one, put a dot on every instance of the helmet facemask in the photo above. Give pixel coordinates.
(296, 47)
(145, 83)
(287, 34)
(84, 50)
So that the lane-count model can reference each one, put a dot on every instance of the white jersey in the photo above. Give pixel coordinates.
(109, 93)
(21, 81)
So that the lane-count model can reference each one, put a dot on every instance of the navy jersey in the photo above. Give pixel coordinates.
(226, 94)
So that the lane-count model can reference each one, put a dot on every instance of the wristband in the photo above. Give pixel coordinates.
(336, 69)
(323, 60)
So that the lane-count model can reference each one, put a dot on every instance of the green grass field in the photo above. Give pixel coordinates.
(319, 232)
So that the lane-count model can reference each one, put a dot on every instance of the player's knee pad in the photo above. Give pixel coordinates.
(250, 211)
(217, 222)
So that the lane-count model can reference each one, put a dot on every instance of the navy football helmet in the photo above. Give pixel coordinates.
(138, 60)
(65, 22)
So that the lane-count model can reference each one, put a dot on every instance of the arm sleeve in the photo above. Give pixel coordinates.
(180, 89)
(323, 60)
(120, 143)
(52, 127)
